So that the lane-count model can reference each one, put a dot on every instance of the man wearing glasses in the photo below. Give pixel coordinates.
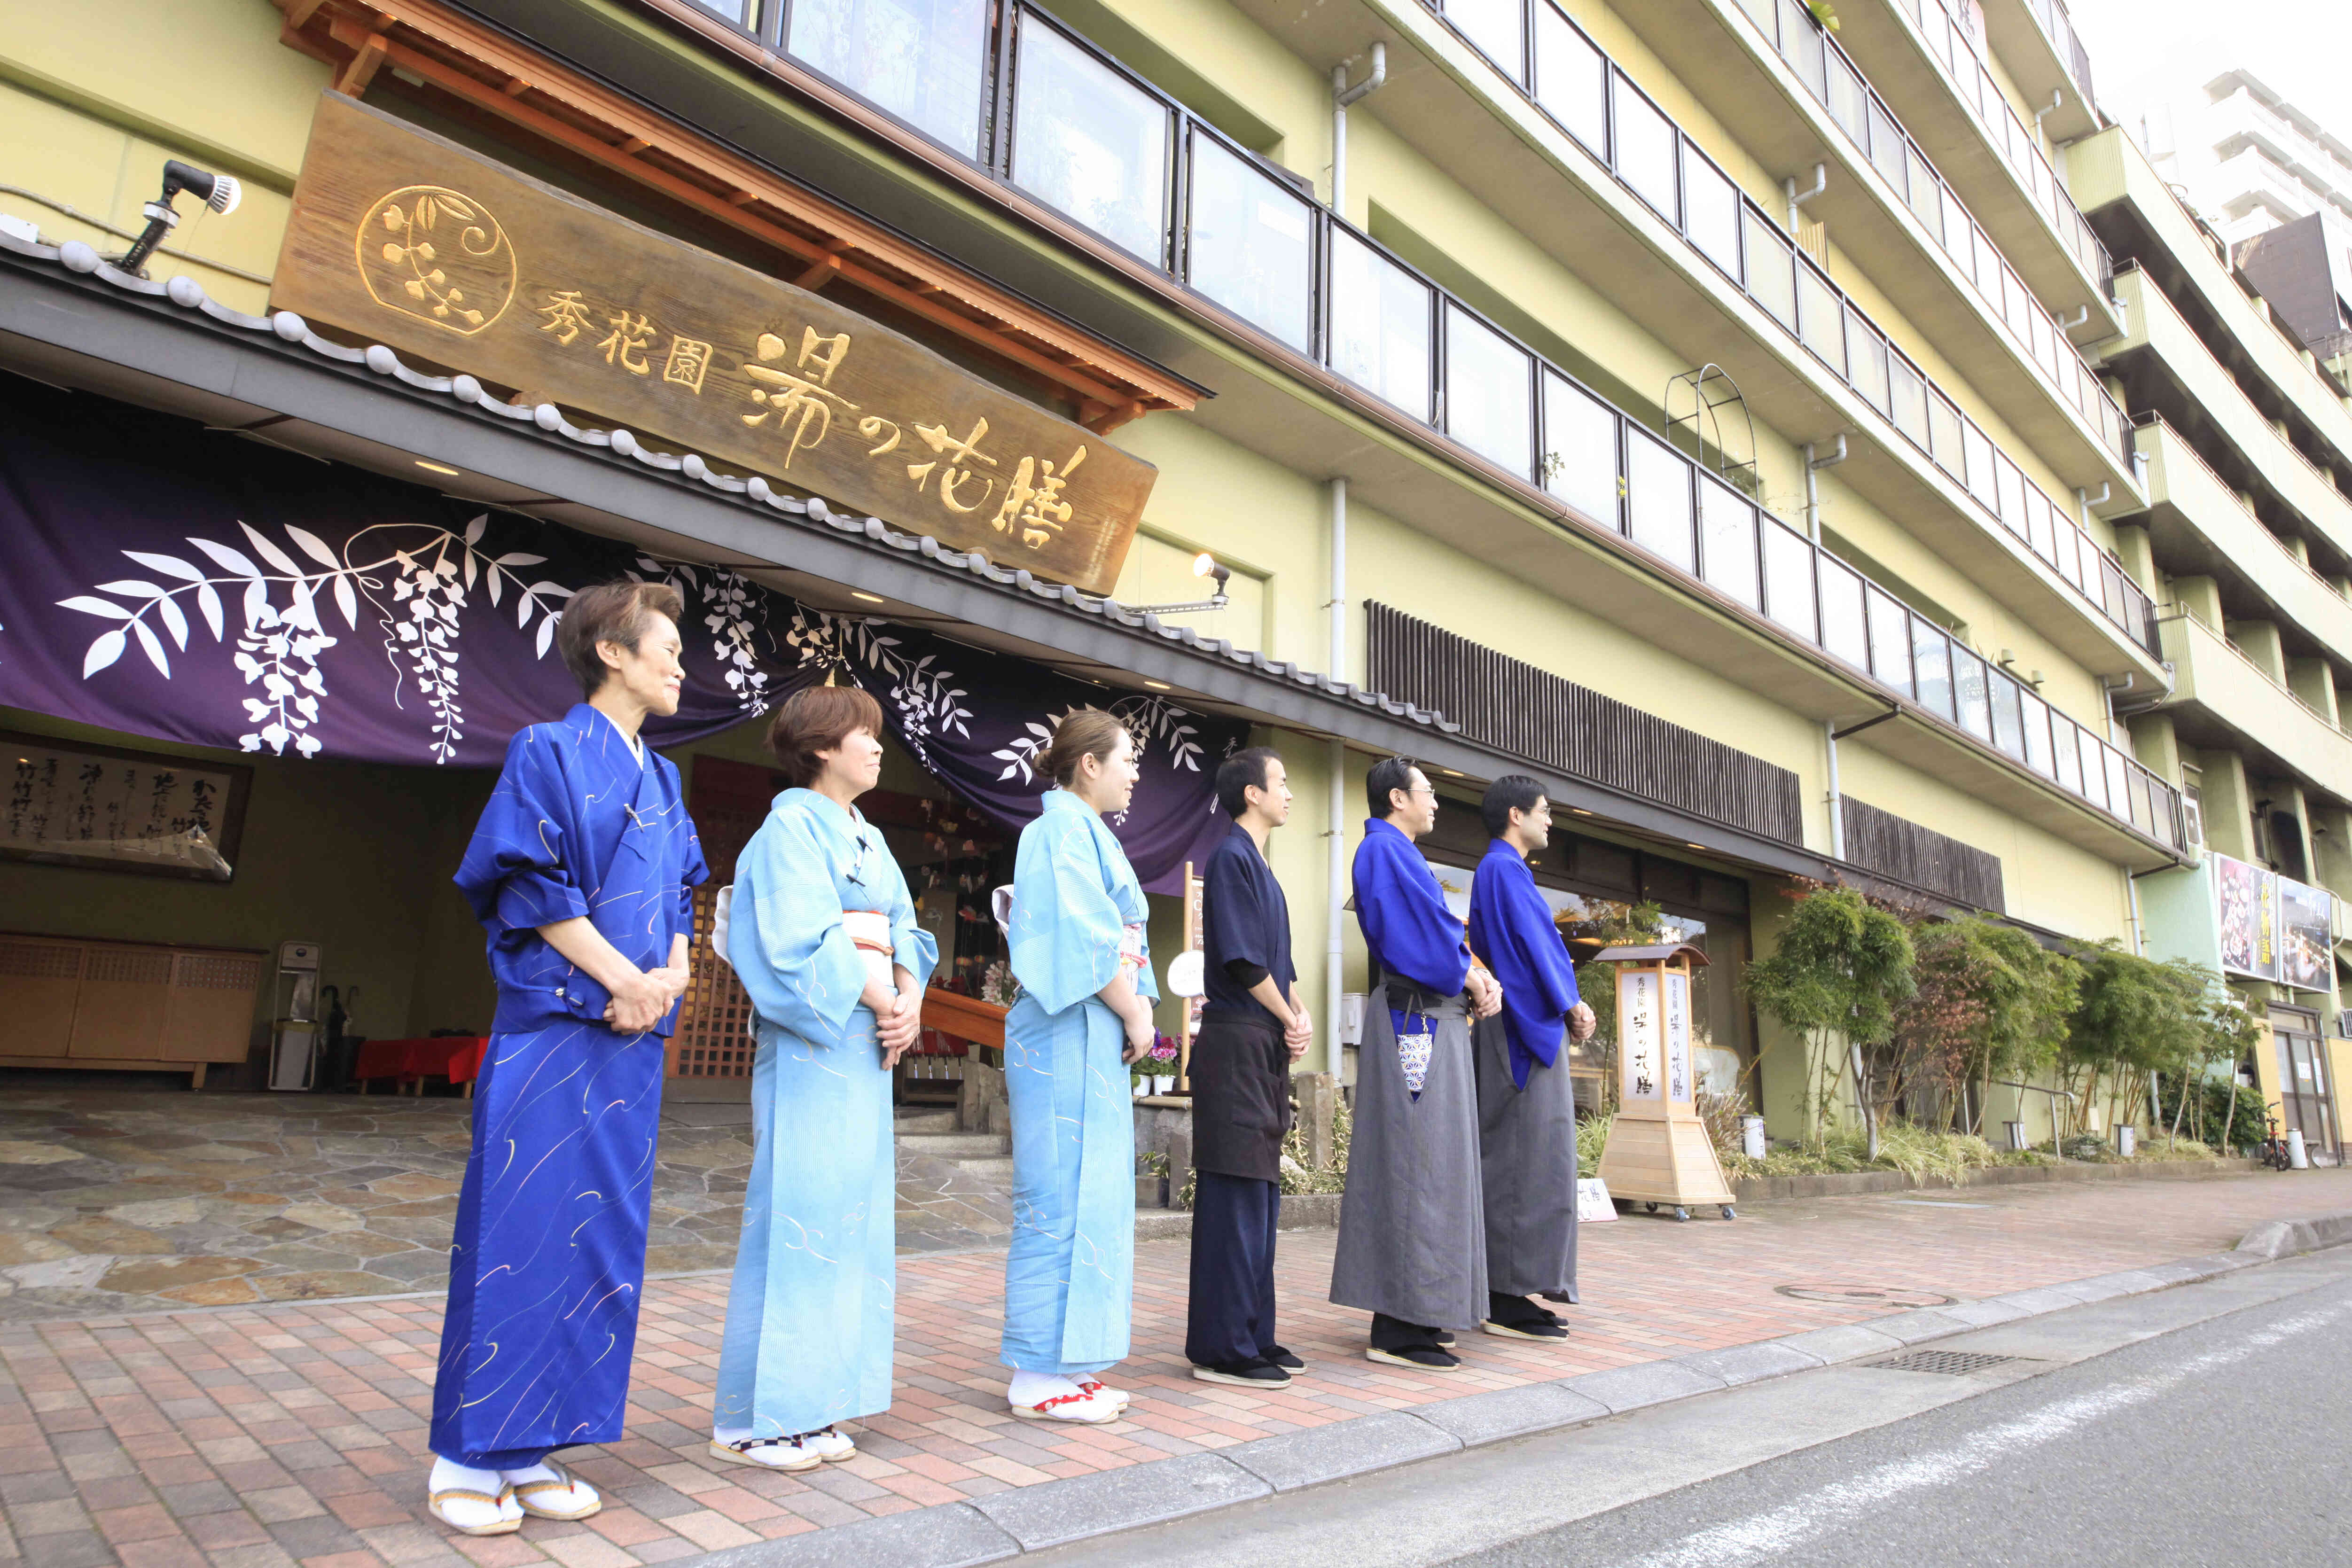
(1412, 1237)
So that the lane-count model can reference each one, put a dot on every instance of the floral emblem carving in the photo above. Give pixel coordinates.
(432, 252)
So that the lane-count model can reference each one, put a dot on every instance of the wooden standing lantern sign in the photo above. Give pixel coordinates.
(1658, 1149)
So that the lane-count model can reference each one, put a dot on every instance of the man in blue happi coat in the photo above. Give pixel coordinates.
(1413, 1233)
(582, 870)
(1527, 1108)
(1253, 1027)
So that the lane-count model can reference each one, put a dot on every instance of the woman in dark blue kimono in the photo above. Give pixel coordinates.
(1078, 946)
(582, 870)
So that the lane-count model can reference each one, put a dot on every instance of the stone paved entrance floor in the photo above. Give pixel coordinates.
(115, 1200)
(273, 1434)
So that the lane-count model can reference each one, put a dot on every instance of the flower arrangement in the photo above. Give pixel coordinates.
(1159, 1061)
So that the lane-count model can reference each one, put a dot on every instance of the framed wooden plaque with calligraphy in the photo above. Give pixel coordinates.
(430, 248)
(102, 808)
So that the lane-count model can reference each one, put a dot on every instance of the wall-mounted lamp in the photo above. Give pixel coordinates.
(220, 193)
(1203, 565)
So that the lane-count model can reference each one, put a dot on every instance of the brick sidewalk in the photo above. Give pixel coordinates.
(294, 1433)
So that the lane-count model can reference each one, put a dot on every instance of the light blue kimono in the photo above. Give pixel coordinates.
(1069, 1278)
(809, 1319)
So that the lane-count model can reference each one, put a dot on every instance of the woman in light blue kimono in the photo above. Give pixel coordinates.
(821, 933)
(1077, 949)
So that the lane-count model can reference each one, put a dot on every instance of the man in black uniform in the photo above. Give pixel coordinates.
(1252, 1028)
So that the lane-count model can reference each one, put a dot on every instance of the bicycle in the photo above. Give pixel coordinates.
(2273, 1152)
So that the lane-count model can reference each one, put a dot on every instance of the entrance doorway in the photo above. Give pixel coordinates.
(2307, 1102)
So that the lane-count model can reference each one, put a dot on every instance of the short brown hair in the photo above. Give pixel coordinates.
(609, 613)
(819, 719)
(1083, 732)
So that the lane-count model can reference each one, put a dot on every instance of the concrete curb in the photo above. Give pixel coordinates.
(1007, 1524)
(1848, 1184)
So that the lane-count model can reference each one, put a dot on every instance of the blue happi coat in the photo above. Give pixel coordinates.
(549, 1257)
(1511, 931)
(1069, 1276)
(810, 1318)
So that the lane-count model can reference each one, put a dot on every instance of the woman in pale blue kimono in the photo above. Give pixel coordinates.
(821, 933)
(1077, 949)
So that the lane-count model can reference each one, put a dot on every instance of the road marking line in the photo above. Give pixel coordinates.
(1784, 1529)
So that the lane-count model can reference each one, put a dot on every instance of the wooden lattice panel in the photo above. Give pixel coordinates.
(713, 1038)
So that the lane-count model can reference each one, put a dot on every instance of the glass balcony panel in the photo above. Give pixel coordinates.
(2009, 486)
(2079, 558)
(1926, 196)
(1711, 209)
(1944, 435)
(1888, 148)
(1909, 393)
(1381, 325)
(1580, 462)
(2036, 715)
(1866, 360)
(1890, 641)
(1801, 44)
(1489, 387)
(1848, 99)
(1931, 659)
(1821, 318)
(1646, 143)
(1959, 241)
(2114, 596)
(2066, 753)
(2008, 718)
(1761, 12)
(1771, 267)
(1658, 500)
(1989, 261)
(1980, 459)
(2043, 341)
(1845, 631)
(1969, 681)
(2094, 768)
(1093, 145)
(2118, 780)
(923, 61)
(2039, 526)
(1727, 526)
(1493, 26)
(1572, 79)
(1789, 581)
(1249, 245)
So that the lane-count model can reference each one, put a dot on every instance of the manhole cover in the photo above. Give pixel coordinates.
(1865, 1295)
(1946, 1363)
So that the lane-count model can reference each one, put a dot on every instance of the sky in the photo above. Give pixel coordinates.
(2302, 48)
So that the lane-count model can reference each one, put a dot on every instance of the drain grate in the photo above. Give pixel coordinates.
(1946, 1363)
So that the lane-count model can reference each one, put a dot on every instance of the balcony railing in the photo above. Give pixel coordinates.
(1044, 110)
(1949, 42)
(1829, 74)
(2059, 28)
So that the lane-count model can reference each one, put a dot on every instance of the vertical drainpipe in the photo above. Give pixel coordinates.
(1813, 467)
(1335, 827)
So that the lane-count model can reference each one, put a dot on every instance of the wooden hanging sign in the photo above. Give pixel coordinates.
(432, 249)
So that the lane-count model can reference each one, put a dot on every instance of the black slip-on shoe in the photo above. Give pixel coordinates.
(1421, 1358)
(1282, 1358)
(1531, 1330)
(1244, 1375)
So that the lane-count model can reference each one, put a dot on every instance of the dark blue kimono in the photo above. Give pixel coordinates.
(548, 1259)
(1526, 1104)
(1412, 1235)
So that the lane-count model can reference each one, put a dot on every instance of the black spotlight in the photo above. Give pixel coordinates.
(221, 193)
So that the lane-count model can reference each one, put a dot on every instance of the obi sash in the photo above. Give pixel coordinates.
(869, 932)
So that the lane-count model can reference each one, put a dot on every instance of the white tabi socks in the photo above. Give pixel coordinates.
(475, 1502)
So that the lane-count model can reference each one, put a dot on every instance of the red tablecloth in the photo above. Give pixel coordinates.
(455, 1058)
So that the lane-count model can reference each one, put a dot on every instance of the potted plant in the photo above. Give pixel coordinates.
(1161, 1059)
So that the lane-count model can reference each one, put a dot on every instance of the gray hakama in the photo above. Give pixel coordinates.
(1413, 1233)
(1527, 1152)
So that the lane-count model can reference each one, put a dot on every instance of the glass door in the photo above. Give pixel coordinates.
(2308, 1100)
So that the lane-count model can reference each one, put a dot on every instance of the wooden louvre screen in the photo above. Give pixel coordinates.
(1902, 850)
(1515, 708)
(728, 801)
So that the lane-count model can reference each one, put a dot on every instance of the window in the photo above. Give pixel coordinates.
(1890, 641)
(1710, 211)
(1493, 26)
(1727, 526)
(1771, 267)
(923, 61)
(2008, 718)
(2038, 754)
(1572, 79)
(1580, 462)
(1820, 321)
(1658, 500)
(1789, 581)
(1380, 324)
(1488, 387)
(1969, 683)
(1866, 360)
(1090, 142)
(1931, 656)
(1843, 632)
(1646, 149)
(1249, 245)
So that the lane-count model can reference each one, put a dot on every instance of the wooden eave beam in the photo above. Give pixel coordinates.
(447, 50)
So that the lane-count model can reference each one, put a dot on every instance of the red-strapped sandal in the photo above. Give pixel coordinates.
(1080, 1408)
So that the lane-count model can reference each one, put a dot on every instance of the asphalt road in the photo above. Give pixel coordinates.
(2228, 1441)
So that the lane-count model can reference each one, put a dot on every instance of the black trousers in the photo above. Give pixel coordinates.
(1229, 1317)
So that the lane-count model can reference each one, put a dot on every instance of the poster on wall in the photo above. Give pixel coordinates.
(2306, 940)
(105, 808)
(2249, 930)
